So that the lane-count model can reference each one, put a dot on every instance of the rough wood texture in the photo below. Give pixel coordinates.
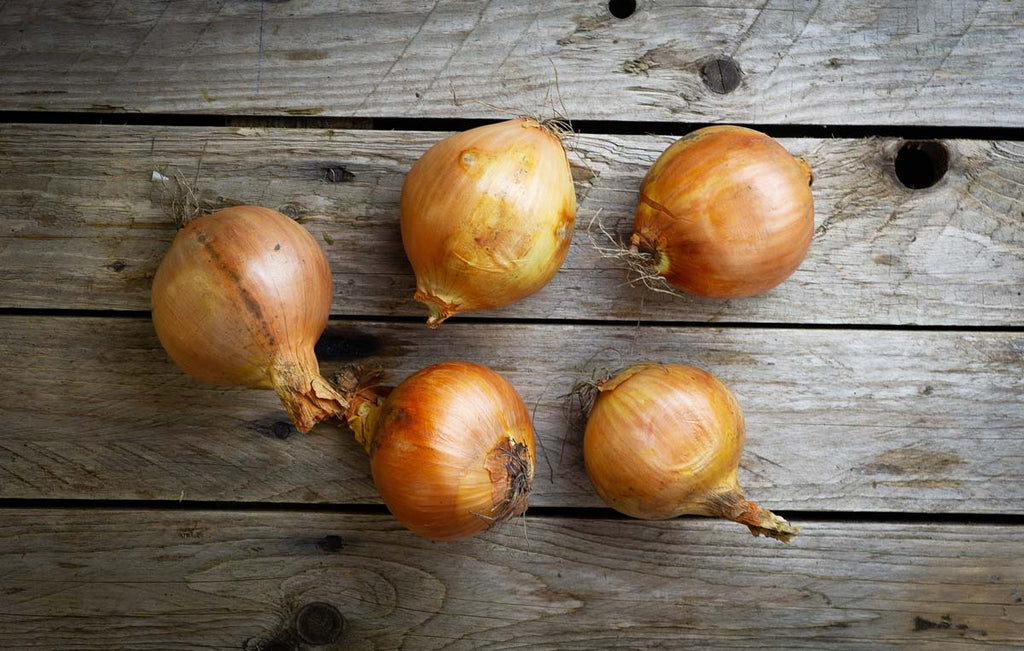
(82, 225)
(208, 580)
(836, 420)
(915, 421)
(847, 62)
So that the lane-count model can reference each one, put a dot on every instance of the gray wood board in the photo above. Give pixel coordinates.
(846, 62)
(234, 580)
(83, 225)
(836, 420)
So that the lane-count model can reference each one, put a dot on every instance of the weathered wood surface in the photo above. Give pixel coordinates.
(836, 420)
(842, 421)
(233, 580)
(846, 62)
(82, 225)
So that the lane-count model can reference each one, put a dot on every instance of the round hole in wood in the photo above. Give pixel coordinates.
(622, 8)
(921, 163)
(721, 74)
(319, 623)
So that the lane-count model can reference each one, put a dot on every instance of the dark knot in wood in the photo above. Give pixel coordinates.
(319, 623)
(331, 544)
(721, 74)
(281, 429)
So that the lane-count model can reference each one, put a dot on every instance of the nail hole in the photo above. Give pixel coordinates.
(319, 623)
(921, 163)
(622, 8)
(721, 75)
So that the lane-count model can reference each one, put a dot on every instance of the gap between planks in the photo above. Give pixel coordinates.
(484, 320)
(444, 125)
(795, 516)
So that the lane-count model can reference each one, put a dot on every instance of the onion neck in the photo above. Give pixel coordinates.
(307, 396)
(731, 504)
(439, 308)
(361, 387)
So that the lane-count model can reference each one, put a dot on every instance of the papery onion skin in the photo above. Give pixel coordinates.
(240, 299)
(487, 216)
(725, 212)
(451, 450)
(664, 440)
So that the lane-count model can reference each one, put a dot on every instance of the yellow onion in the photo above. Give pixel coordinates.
(725, 212)
(664, 440)
(487, 216)
(240, 299)
(451, 448)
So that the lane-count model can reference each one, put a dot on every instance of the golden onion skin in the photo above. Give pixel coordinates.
(664, 440)
(725, 212)
(487, 216)
(676, 428)
(240, 299)
(453, 451)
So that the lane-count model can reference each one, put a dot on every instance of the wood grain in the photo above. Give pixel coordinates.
(844, 421)
(233, 580)
(82, 225)
(836, 420)
(846, 62)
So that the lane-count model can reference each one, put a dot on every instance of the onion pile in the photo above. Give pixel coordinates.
(240, 299)
(451, 448)
(664, 440)
(487, 216)
(725, 212)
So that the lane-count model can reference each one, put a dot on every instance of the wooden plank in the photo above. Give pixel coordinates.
(846, 62)
(82, 225)
(836, 420)
(235, 580)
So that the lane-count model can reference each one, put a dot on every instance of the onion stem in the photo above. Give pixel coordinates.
(365, 396)
(307, 396)
(439, 309)
(730, 503)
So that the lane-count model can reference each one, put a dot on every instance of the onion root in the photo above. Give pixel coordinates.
(511, 459)
(641, 265)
